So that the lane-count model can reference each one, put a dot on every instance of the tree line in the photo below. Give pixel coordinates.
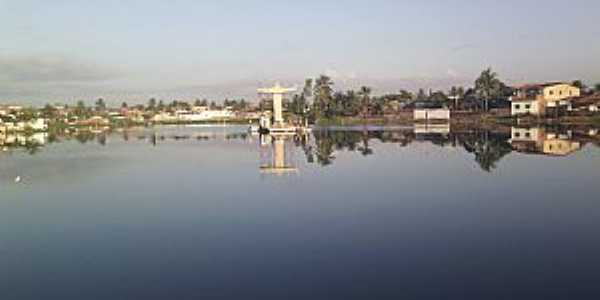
(319, 100)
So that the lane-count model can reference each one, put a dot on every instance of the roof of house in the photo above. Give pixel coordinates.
(524, 99)
(539, 85)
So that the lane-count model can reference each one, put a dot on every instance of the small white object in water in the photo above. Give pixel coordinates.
(17, 179)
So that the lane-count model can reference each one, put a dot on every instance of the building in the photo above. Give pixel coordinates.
(430, 111)
(427, 114)
(205, 115)
(589, 103)
(541, 99)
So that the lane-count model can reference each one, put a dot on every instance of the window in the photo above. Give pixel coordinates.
(528, 106)
(517, 106)
(527, 134)
(551, 92)
(517, 134)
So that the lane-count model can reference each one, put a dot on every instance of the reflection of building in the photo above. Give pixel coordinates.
(274, 157)
(21, 140)
(538, 141)
(536, 99)
(35, 125)
(432, 128)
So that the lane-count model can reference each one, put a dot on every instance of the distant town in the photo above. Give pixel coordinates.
(489, 100)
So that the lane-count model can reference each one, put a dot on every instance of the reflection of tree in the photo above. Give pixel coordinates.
(84, 136)
(32, 147)
(488, 148)
(324, 149)
(101, 139)
(364, 149)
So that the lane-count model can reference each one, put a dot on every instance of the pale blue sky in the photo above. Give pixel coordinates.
(66, 49)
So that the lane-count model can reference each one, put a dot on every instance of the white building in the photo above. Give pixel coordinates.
(206, 115)
(426, 114)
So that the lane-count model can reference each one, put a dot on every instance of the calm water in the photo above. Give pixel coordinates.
(211, 212)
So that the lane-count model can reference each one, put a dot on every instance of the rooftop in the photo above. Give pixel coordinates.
(539, 85)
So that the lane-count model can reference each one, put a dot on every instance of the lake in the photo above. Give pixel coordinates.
(343, 213)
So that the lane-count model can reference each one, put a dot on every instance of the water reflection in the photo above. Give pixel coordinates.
(539, 140)
(276, 155)
(280, 154)
(31, 143)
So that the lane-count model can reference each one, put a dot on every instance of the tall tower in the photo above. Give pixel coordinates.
(277, 92)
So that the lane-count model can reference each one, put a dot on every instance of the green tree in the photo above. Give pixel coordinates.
(80, 110)
(323, 94)
(597, 87)
(124, 105)
(27, 114)
(49, 111)
(100, 105)
(351, 103)
(365, 101)
(421, 96)
(405, 95)
(578, 83)
(307, 91)
(151, 104)
(298, 104)
(488, 87)
(457, 94)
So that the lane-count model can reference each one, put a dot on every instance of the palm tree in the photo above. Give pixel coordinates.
(365, 103)
(80, 109)
(578, 83)
(457, 93)
(151, 104)
(308, 88)
(322, 93)
(100, 105)
(351, 103)
(488, 86)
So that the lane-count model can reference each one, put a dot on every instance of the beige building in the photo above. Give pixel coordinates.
(538, 99)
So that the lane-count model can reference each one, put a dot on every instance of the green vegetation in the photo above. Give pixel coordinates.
(329, 106)
(488, 87)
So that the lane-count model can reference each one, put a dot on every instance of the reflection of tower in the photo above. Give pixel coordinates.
(277, 160)
(277, 93)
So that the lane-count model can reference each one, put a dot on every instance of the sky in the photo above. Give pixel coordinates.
(66, 50)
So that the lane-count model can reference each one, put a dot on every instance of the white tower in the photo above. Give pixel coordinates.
(277, 91)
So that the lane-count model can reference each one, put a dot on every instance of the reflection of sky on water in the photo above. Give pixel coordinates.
(81, 155)
(197, 217)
